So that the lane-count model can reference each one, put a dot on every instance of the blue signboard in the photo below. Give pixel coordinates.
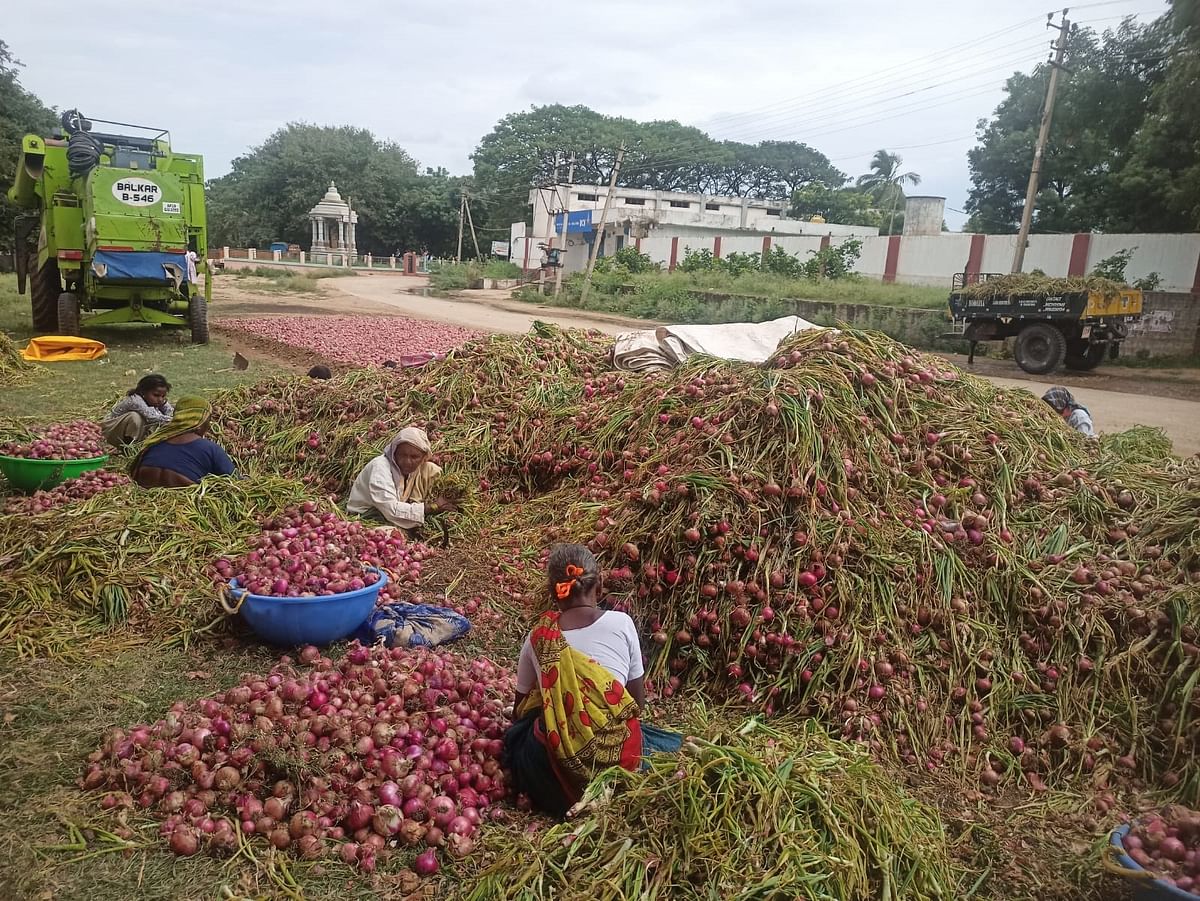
(579, 221)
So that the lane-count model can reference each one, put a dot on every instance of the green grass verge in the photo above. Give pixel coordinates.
(908, 313)
(272, 280)
(65, 390)
(457, 276)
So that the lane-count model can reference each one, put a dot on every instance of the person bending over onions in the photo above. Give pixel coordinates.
(1075, 413)
(579, 691)
(395, 487)
(143, 409)
(178, 455)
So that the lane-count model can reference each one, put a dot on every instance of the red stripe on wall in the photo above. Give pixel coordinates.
(766, 245)
(637, 244)
(1079, 255)
(975, 257)
(717, 247)
(1196, 289)
(525, 265)
(825, 242)
(892, 262)
(674, 254)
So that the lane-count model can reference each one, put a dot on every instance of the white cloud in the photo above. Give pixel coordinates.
(436, 77)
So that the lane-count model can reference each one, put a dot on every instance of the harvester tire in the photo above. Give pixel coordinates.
(44, 288)
(68, 314)
(198, 318)
(1040, 348)
(1084, 356)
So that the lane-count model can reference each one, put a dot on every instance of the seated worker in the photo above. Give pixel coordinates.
(178, 455)
(396, 485)
(1076, 415)
(320, 373)
(143, 409)
(579, 691)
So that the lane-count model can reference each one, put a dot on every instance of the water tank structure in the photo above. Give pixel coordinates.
(923, 215)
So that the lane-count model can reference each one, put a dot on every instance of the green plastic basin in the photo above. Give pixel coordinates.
(30, 475)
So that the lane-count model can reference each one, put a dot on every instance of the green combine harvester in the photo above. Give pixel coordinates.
(118, 218)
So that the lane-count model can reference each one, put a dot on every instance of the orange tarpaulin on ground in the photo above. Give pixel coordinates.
(61, 348)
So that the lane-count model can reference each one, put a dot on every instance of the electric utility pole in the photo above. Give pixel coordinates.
(566, 210)
(471, 222)
(608, 198)
(462, 205)
(1060, 47)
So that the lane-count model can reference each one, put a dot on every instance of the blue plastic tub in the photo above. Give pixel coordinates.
(1144, 886)
(294, 621)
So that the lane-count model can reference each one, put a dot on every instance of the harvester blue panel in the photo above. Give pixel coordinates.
(138, 266)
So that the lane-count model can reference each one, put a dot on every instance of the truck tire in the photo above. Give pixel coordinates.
(44, 288)
(1040, 348)
(1084, 356)
(68, 314)
(198, 318)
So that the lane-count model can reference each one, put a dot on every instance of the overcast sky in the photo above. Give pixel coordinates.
(846, 78)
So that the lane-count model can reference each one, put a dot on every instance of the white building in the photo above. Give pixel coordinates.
(640, 213)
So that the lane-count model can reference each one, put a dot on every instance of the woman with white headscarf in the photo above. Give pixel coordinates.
(397, 484)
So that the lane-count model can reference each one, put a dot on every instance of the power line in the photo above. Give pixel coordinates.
(908, 65)
(887, 100)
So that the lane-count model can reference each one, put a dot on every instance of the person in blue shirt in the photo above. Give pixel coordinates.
(178, 455)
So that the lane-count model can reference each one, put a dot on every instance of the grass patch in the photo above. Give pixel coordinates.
(272, 280)
(64, 390)
(696, 295)
(458, 276)
(908, 313)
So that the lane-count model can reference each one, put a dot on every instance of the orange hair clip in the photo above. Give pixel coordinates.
(562, 590)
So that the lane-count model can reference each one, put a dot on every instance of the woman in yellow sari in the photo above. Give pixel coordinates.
(579, 691)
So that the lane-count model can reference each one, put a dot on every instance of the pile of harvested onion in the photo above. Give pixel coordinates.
(381, 750)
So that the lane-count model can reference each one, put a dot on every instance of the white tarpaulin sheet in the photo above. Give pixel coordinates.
(670, 345)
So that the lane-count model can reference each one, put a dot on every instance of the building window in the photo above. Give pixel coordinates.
(713, 207)
(591, 197)
(774, 212)
(681, 204)
(634, 201)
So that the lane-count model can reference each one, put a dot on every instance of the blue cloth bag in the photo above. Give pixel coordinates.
(413, 626)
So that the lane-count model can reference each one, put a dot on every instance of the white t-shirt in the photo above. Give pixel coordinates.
(612, 641)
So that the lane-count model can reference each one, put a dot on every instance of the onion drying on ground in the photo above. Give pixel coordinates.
(383, 752)
(357, 340)
(932, 565)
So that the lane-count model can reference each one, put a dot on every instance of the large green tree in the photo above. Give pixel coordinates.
(268, 192)
(1097, 130)
(1159, 187)
(523, 149)
(21, 113)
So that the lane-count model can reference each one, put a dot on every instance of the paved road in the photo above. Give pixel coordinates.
(495, 311)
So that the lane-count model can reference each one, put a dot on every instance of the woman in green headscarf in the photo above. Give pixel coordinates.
(178, 454)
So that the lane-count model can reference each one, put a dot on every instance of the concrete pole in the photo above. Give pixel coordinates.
(612, 189)
(1039, 150)
(566, 207)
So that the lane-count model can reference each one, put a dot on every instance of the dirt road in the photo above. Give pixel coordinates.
(491, 311)
(1117, 398)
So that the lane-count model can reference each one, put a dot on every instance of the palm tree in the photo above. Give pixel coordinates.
(886, 178)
